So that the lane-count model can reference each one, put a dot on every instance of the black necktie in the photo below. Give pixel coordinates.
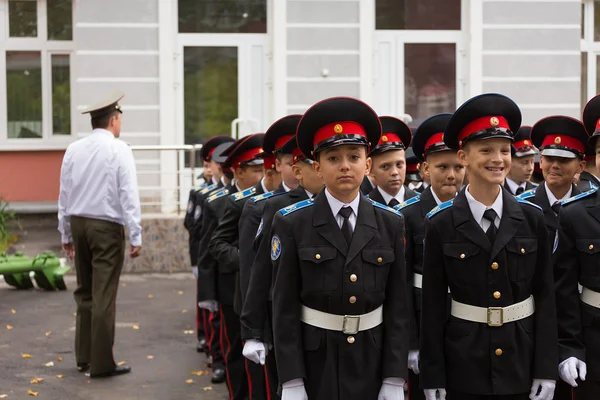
(345, 212)
(520, 190)
(556, 207)
(393, 202)
(491, 215)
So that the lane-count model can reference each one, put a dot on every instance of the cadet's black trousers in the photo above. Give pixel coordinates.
(587, 390)
(563, 391)
(463, 396)
(231, 345)
(414, 391)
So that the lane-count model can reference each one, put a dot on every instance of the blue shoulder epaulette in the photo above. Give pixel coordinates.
(220, 193)
(443, 206)
(527, 195)
(297, 206)
(384, 207)
(243, 194)
(579, 196)
(593, 185)
(523, 201)
(408, 202)
(208, 188)
(267, 195)
(200, 187)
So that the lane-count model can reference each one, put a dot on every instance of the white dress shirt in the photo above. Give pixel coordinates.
(513, 186)
(262, 184)
(285, 187)
(552, 199)
(309, 194)
(388, 197)
(437, 199)
(477, 209)
(337, 205)
(98, 180)
(213, 180)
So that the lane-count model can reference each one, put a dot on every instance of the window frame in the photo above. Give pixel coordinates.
(47, 48)
(591, 48)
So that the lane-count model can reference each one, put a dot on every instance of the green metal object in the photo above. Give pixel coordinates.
(46, 268)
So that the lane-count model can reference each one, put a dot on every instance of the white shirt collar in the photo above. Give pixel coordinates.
(477, 208)
(513, 186)
(388, 197)
(337, 205)
(236, 186)
(264, 188)
(309, 194)
(552, 199)
(285, 187)
(215, 181)
(103, 132)
(437, 199)
(223, 180)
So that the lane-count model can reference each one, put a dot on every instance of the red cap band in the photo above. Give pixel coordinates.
(597, 126)
(523, 143)
(296, 155)
(565, 141)
(482, 123)
(269, 161)
(590, 158)
(389, 137)
(412, 167)
(433, 140)
(245, 156)
(209, 157)
(283, 140)
(338, 128)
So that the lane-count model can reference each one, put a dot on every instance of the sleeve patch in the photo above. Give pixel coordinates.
(275, 248)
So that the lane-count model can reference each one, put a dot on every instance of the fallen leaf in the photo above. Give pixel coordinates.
(36, 380)
(49, 364)
(32, 393)
(122, 363)
(58, 358)
(9, 327)
(199, 373)
(12, 310)
(48, 333)
(206, 372)
(123, 284)
(189, 381)
(207, 388)
(60, 376)
(74, 314)
(144, 386)
(136, 327)
(188, 332)
(87, 374)
(25, 355)
(150, 357)
(3, 396)
(180, 292)
(183, 311)
(150, 296)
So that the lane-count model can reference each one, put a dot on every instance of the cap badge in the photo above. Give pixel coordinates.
(557, 140)
(338, 128)
(526, 142)
(494, 122)
(384, 138)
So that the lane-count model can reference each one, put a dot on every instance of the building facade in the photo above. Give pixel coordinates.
(195, 68)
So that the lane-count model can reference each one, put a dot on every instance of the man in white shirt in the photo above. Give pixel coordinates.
(518, 179)
(98, 199)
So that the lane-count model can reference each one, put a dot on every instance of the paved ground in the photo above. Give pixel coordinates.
(161, 355)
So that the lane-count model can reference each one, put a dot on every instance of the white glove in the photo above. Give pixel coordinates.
(567, 370)
(547, 389)
(392, 389)
(293, 390)
(255, 351)
(431, 394)
(210, 305)
(195, 272)
(413, 361)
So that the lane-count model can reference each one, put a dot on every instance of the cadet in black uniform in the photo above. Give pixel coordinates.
(248, 170)
(340, 296)
(489, 249)
(416, 182)
(445, 172)
(388, 167)
(589, 178)
(367, 185)
(518, 179)
(561, 141)
(256, 318)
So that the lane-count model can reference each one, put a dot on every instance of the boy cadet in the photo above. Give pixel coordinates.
(590, 177)
(388, 168)
(247, 168)
(416, 181)
(445, 172)
(576, 262)
(518, 179)
(561, 141)
(488, 248)
(340, 297)
(256, 318)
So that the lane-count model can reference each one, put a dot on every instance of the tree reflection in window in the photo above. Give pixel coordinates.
(227, 16)
(24, 94)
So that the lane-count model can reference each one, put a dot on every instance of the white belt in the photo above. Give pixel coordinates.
(494, 316)
(590, 297)
(418, 281)
(348, 324)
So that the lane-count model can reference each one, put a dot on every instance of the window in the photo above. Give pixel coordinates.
(222, 16)
(35, 83)
(417, 14)
(590, 50)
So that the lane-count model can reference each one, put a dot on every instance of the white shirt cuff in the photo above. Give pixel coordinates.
(136, 240)
(293, 383)
(394, 381)
(66, 239)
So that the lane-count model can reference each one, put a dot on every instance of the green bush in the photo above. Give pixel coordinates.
(6, 237)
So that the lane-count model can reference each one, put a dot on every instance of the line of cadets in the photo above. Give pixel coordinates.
(482, 289)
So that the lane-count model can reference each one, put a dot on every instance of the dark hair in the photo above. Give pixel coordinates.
(102, 121)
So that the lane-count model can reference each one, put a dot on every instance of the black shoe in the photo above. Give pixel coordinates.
(119, 370)
(218, 376)
(201, 347)
(83, 367)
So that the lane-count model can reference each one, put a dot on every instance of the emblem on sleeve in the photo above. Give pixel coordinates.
(275, 248)
(190, 206)
(197, 213)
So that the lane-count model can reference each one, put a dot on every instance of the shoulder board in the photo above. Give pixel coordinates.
(443, 206)
(523, 201)
(408, 202)
(297, 206)
(265, 196)
(243, 194)
(593, 185)
(526, 195)
(579, 196)
(384, 207)
(208, 188)
(220, 193)
(200, 187)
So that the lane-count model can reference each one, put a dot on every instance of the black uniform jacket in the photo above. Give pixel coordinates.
(223, 245)
(313, 266)
(256, 311)
(584, 181)
(528, 186)
(200, 197)
(248, 227)
(209, 284)
(366, 186)
(375, 194)
(577, 260)
(472, 357)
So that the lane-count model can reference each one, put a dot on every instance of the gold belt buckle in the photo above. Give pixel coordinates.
(351, 324)
(495, 316)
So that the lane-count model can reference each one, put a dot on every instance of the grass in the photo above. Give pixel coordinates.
(6, 237)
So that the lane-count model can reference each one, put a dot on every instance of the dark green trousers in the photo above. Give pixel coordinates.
(99, 257)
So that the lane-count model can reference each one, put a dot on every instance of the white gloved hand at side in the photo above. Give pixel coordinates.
(571, 369)
(413, 361)
(545, 387)
(391, 389)
(255, 351)
(293, 390)
(195, 272)
(432, 394)
(210, 305)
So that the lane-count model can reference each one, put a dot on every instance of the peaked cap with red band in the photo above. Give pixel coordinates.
(209, 147)
(487, 116)
(335, 122)
(560, 136)
(278, 134)
(523, 145)
(395, 135)
(591, 120)
(219, 153)
(292, 147)
(429, 136)
(412, 165)
(245, 152)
